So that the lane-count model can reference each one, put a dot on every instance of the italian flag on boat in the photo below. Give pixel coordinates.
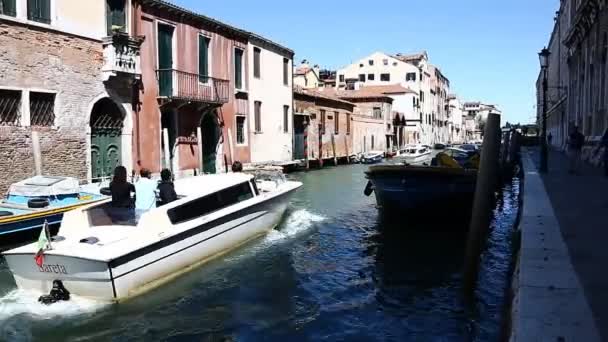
(44, 243)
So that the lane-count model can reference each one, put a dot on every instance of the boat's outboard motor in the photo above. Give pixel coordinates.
(58, 292)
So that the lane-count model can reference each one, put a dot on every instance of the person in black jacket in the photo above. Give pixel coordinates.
(166, 189)
(121, 189)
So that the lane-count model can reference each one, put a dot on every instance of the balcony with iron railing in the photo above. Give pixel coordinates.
(180, 85)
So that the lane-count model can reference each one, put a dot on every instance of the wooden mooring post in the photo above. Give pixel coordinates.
(36, 152)
(483, 203)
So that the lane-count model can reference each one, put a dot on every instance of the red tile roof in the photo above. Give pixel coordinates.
(388, 89)
(327, 94)
(411, 57)
(302, 70)
(357, 94)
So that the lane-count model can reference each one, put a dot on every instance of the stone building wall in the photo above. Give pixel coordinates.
(41, 59)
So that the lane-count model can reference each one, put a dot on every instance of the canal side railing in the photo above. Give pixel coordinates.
(176, 84)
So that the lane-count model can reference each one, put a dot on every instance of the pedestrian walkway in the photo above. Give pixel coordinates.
(580, 203)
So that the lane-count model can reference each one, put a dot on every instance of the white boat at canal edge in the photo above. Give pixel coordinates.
(415, 154)
(108, 258)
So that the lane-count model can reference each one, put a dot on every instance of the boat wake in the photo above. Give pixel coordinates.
(25, 303)
(296, 223)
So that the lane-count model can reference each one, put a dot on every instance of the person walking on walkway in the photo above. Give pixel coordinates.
(575, 146)
(549, 139)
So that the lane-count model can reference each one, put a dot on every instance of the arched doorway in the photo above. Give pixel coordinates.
(106, 132)
(211, 134)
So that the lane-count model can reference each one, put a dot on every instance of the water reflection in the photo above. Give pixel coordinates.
(335, 270)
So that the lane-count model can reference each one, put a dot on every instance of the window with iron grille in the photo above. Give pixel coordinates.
(257, 108)
(240, 129)
(286, 119)
(8, 7)
(42, 109)
(39, 10)
(10, 105)
(336, 123)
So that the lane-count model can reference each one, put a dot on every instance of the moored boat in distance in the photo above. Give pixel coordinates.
(372, 157)
(31, 202)
(110, 254)
(415, 154)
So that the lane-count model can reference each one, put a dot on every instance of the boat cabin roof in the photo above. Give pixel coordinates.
(201, 186)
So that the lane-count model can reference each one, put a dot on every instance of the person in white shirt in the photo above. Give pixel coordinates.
(145, 196)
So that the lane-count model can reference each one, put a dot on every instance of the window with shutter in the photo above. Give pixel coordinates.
(322, 121)
(115, 16)
(238, 68)
(258, 116)
(39, 10)
(256, 62)
(285, 71)
(336, 123)
(203, 58)
(8, 7)
(348, 123)
(285, 119)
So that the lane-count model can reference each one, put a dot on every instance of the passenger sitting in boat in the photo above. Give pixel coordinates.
(166, 189)
(121, 189)
(237, 166)
(145, 198)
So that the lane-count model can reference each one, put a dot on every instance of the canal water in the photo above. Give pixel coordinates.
(332, 271)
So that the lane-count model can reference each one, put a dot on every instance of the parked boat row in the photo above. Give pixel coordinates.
(110, 254)
(33, 201)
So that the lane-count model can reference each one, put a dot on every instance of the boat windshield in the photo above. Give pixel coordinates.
(107, 215)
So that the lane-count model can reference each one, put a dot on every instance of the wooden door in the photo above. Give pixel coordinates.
(105, 151)
(165, 59)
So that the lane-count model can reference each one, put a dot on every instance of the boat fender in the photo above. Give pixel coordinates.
(369, 188)
(105, 191)
(5, 213)
(38, 203)
(58, 293)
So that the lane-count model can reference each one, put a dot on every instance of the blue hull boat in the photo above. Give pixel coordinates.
(33, 201)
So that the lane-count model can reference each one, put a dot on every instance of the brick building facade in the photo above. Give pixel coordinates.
(328, 122)
(48, 80)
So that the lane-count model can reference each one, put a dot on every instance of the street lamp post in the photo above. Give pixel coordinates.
(544, 65)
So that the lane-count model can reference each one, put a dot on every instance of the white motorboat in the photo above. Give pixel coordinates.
(372, 157)
(415, 154)
(110, 254)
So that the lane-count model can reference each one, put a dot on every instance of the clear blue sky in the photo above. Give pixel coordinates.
(487, 48)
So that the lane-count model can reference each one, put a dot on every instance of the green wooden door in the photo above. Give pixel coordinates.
(165, 60)
(211, 137)
(105, 151)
